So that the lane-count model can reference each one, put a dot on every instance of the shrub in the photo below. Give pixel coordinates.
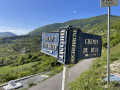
(31, 84)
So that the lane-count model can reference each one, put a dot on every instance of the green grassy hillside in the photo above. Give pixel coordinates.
(20, 55)
(13, 47)
(98, 23)
(29, 64)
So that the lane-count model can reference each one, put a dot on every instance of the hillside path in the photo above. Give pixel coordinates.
(55, 82)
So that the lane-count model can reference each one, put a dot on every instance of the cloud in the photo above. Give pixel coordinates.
(15, 31)
(74, 11)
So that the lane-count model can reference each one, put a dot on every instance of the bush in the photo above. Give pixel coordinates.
(23, 74)
(114, 40)
(31, 84)
(8, 77)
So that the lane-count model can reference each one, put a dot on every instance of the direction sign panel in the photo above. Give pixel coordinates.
(90, 46)
(75, 45)
(62, 53)
(71, 44)
(68, 45)
(108, 3)
(49, 43)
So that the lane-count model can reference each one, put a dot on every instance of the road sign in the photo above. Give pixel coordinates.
(75, 45)
(108, 3)
(67, 45)
(49, 43)
(89, 46)
(72, 49)
(62, 45)
(70, 45)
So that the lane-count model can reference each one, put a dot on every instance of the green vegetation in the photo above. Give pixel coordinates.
(114, 40)
(9, 69)
(20, 55)
(93, 79)
(11, 48)
(95, 24)
(38, 63)
(31, 84)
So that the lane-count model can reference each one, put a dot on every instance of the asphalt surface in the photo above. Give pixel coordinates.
(55, 82)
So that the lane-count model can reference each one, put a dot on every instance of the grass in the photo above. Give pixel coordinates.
(44, 64)
(8, 69)
(93, 79)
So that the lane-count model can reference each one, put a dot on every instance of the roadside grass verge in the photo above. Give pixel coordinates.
(39, 63)
(93, 79)
(9, 69)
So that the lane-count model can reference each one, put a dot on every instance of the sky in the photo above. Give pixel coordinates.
(23, 16)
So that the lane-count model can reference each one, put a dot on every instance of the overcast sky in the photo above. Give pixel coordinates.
(23, 16)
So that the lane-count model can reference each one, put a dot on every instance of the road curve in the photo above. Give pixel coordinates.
(55, 82)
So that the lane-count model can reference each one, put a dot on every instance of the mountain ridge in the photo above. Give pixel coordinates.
(84, 24)
(7, 34)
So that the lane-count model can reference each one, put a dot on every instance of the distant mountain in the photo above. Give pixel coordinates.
(7, 34)
(92, 23)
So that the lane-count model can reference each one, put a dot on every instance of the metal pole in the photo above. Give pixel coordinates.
(108, 52)
(65, 77)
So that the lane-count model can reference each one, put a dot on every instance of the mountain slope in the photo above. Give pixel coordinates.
(13, 47)
(7, 34)
(47, 28)
(24, 50)
(92, 23)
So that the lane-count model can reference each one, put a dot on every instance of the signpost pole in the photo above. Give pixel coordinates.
(65, 77)
(108, 3)
(108, 52)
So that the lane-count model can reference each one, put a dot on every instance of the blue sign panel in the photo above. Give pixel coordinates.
(50, 43)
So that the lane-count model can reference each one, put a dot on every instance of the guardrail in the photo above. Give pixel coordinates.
(23, 78)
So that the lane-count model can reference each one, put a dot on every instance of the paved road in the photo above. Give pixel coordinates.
(55, 82)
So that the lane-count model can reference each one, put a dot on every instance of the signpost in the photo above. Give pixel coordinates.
(76, 45)
(49, 43)
(62, 46)
(69, 46)
(90, 46)
(108, 3)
